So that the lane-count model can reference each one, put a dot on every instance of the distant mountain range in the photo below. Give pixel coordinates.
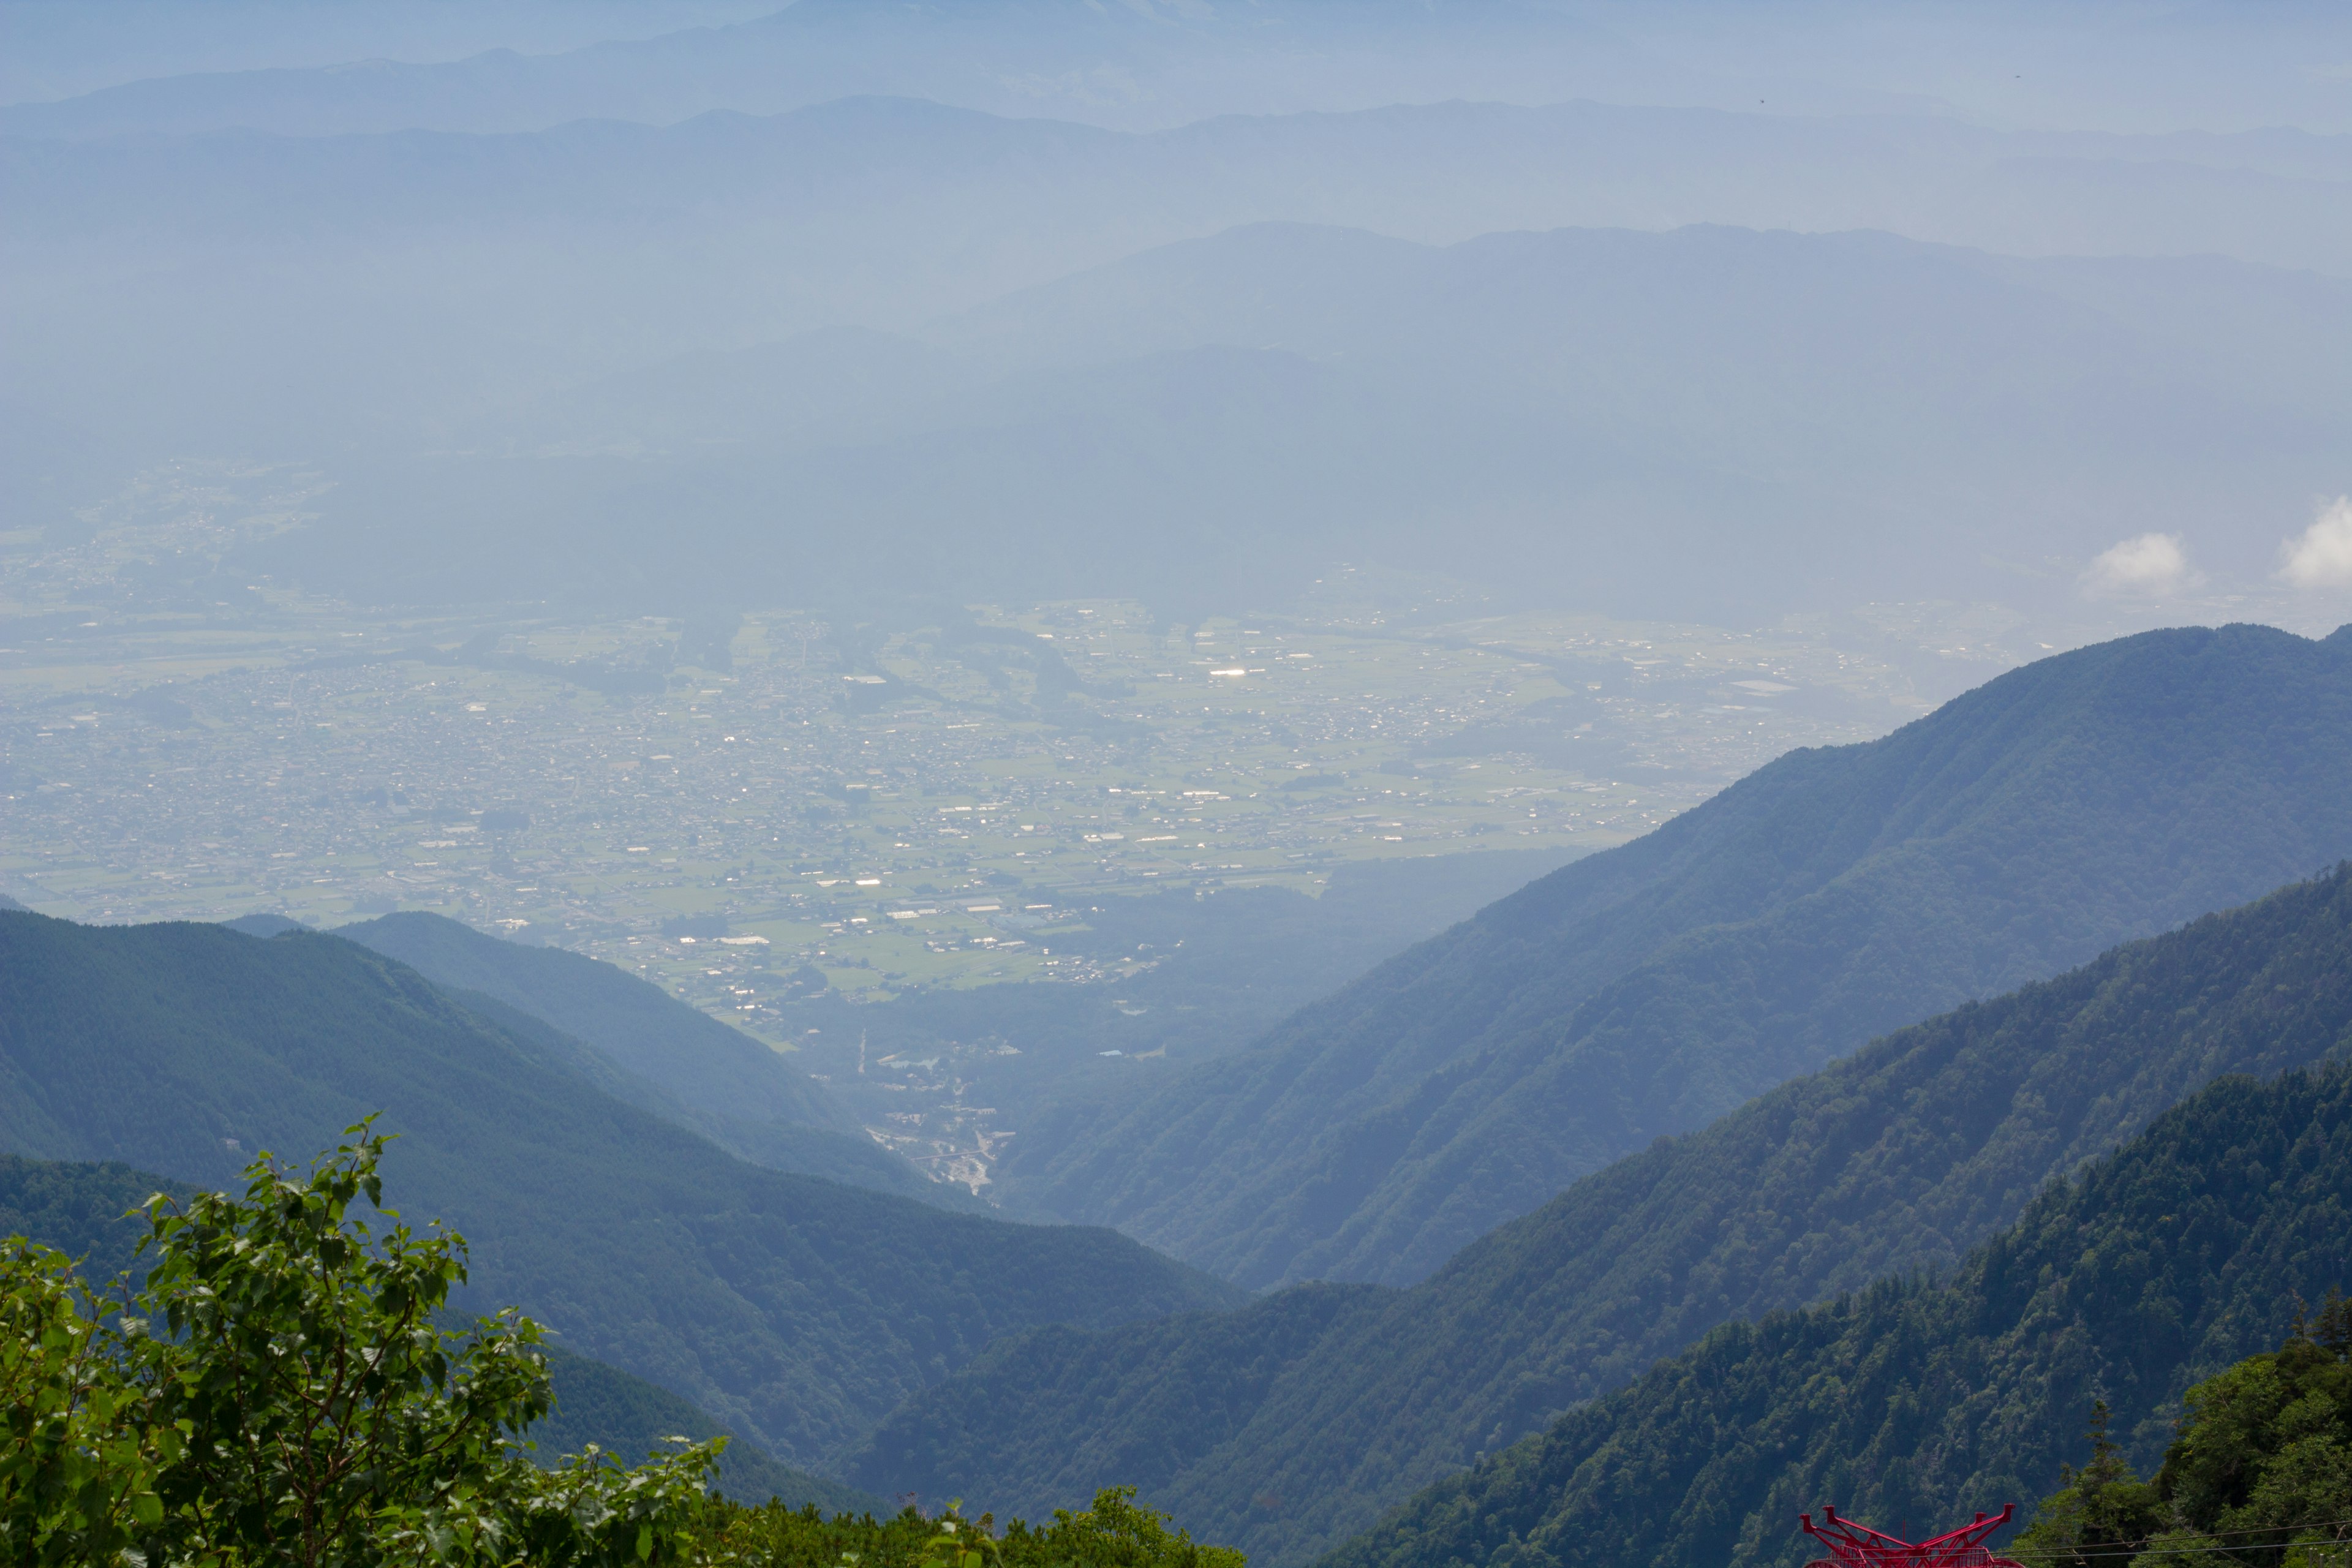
(1134, 66)
(1292, 1424)
(1706, 421)
(1673, 418)
(1146, 64)
(796, 1310)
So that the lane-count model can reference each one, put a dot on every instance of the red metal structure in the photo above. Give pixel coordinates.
(1852, 1545)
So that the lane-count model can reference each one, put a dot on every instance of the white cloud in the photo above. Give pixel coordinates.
(2321, 556)
(2149, 566)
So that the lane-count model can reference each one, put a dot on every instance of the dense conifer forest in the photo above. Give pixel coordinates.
(1920, 1398)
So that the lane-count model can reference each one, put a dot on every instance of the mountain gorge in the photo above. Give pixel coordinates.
(2088, 798)
(672, 1058)
(1291, 1423)
(795, 1309)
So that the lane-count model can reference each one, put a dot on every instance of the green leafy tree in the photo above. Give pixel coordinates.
(2264, 1461)
(1115, 1532)
(79, 1456)
(281, 1393)
(2259, 1473)
(2099, 1509)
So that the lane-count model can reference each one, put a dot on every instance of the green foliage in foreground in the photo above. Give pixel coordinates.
(278, 1391)
(96, 1215)
(796, 1311)
(1114, 1533)
(90, 1212)
(281, 1390)
(2260, 1474)
(2156, 1268)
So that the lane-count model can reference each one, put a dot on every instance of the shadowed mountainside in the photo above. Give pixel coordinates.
(1290, 1423)
(795, 1309)
(2187, 1251)
(731, 1089)
(2086, 799)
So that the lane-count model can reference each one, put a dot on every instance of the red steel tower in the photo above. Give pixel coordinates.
(1852, 1545)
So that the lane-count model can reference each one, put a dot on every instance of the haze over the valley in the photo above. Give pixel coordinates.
(1349, 640)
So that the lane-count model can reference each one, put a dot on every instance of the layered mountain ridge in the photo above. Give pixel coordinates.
(2192, 1246)
(2086, 799)
(719, 1081)
(795, 1309)
(1292, 1422)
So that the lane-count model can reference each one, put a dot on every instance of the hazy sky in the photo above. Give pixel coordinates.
(2043, 303)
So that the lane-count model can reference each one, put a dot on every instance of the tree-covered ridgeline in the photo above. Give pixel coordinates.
(1291, 1423)
(2086, 799)
(1922, 1399)
(655, 1052)
(795, 1311)
(2259, 1473)
(280, 1388)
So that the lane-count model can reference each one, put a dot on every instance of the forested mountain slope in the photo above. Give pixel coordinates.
(84, 1211)
(795, 1309)
(2086, 799)
(722, 1082)
(1286, 1426)
(2188, 1249)
(706, 1065)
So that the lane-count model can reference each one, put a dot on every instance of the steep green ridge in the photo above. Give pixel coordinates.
(845, 1157)
(598, 1402)
(1896, 1158)
(2178, 1255)
(79, 1208)
(795, 1309)
(2086, 799)
(83, 1210)
(720, 1081)
(708, 1065)
(1041, 1418)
